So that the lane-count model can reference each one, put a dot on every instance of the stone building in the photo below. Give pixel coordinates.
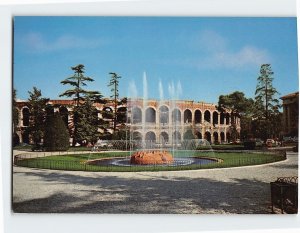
(152, 119)
(290, 104)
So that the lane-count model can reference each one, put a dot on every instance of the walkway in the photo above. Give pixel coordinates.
(243, 190)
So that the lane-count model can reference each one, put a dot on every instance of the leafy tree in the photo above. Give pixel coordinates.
(235, 102)
(239, 106)
(15, 117)
(56, 134)
(86, 123)
(266, 111)
(37, 105)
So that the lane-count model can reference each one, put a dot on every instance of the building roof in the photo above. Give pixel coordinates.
(290, 96)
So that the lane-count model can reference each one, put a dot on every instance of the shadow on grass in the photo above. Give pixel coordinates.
(145, 194)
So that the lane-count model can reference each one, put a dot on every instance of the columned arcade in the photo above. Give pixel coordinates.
(158, 121)
(170, 121)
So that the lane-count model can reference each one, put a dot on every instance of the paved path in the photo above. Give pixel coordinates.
(240, 190)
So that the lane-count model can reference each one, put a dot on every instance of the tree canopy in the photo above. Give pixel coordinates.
(37, 105)
(86, 123)
(266, 103)
(236, 103)
(78, 80)
(266, 114)
(240, 106)
(85, 114)
(56, 134)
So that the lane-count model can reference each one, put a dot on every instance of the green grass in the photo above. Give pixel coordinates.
(76, 162)
(222, 147)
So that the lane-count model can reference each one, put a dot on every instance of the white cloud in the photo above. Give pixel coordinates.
(35, 42)
(247, 55)
(216, 51)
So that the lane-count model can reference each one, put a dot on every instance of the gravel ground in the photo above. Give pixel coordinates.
(243, 190)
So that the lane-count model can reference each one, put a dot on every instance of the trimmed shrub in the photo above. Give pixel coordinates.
(56, 134)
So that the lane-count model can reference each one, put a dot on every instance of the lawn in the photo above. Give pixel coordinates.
(78, 161)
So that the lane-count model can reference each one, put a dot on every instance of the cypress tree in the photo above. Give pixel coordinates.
(37, 105)
(56, 134)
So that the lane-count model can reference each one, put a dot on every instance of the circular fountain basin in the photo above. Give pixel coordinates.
(178, 161)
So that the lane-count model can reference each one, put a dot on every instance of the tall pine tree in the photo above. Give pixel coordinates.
(78, 80)
(84, 100)
(119, 114)
(266, 111)
(114, 84)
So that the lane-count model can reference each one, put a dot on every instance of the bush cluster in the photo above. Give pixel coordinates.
(56, 134)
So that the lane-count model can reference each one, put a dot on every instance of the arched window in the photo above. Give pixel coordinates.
(107, 113)
(222, 118)
(164, 115)
(222, 135)
(198, 117)
(207, 116)
(122, 114)
(187, 116)
(150, 115)
(136, 115)
(150, 136)
(215, 118)
(176, 115)
(164, 137)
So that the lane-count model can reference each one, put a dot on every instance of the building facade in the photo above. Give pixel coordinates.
(290, 105)
(152, 119)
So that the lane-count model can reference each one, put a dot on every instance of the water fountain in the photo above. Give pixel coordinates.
(162, 152)
(152, 152)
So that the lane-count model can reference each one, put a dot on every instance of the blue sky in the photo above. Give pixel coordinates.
(207, 56)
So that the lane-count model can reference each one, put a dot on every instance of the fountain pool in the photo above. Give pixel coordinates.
(176, 162)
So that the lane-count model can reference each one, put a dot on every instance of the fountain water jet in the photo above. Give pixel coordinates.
(155, 151)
